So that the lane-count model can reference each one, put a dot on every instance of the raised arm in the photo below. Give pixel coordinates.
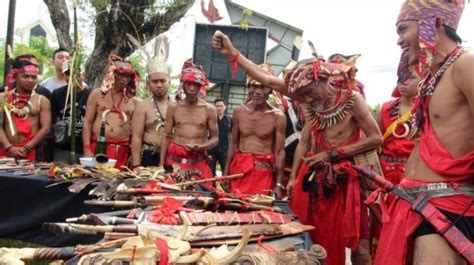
(222, 43)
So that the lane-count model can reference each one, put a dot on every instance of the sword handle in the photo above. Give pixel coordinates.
(54, 253)
(379, 180)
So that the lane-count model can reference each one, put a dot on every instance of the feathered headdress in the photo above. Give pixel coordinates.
(118, 65)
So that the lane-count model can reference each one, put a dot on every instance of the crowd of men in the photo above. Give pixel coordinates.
(422, 140)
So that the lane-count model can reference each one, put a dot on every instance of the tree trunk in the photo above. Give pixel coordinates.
(61, 22)
(111, 24)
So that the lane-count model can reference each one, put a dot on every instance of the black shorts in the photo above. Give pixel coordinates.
(464, 223)
(150, 159)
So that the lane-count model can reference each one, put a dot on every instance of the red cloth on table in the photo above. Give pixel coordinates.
(118, 149)
(396, 233)
(177, 154)
(397, 148)
(258, 173)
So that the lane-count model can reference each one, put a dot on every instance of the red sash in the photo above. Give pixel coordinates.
(258, 173)
(337, 219)
(118, 149)
(177, 154)
(396, 234)
(395, 149)
(440, 161)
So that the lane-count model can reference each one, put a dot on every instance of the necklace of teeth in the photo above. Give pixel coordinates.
(24, 110)
(327, 117)
(20, 112)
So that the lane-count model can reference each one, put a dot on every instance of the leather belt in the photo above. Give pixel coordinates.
(441, 189)
(391, 159)
(186, 160)
(151, 148)
(263, 165)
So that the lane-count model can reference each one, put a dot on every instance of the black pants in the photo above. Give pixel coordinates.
(217, 156)
(45, 150)
(150, 159)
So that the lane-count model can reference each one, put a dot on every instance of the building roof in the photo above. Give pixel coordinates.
(282, 34)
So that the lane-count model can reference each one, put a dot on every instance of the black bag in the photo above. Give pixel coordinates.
(61, 133)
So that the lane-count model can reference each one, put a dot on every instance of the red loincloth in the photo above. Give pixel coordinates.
(23, 128)
(178, 154)
(300, 201)
(396, 233)
(338, 219)
(395, 151)
(116, 149)
(258, 173)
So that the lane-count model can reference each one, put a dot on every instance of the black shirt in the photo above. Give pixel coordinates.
(224, 125)
(58, 99)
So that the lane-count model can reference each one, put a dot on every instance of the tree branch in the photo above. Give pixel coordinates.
(60, 18)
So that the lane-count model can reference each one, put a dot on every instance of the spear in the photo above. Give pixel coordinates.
(186, 183)
(74, 76)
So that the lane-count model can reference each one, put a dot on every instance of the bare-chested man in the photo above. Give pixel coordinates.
(257, 145)
(189, 123)
(336, 115)
(149, 117)
(25, 117)
(113, 103)
(442, 162)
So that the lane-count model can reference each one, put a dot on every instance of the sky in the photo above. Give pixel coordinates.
(366, 27)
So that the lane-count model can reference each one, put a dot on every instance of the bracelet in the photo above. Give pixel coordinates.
(335, 154)
(8, 147)
(86, 147)
(233, 61)
(281, 186)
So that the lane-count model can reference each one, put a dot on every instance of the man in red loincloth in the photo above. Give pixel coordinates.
(113, 103)
(25, 117)
(335, 115)
(257, 145)
(191, 125)
(441, 165)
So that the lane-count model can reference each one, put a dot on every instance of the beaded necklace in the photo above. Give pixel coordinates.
(428, 85)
